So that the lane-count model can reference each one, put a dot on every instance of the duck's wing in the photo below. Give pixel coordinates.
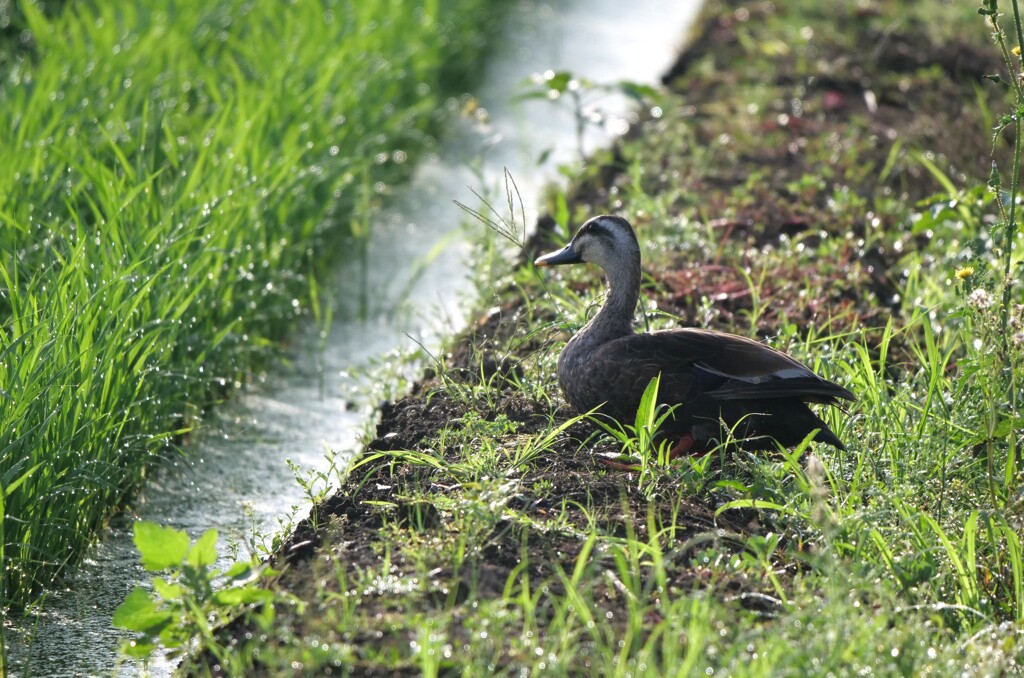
(720, 366)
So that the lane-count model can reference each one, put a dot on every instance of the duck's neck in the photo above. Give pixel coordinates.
(615, 319)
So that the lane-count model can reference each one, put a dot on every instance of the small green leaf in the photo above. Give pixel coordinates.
(1007, 425)
(752, 503)
(137, 649)
(994, 180)
(175, 635)
(243, 595)
(167, 590)
(204, 553)
(734, 485)
(139, 613)
(240, 570)
(637, 91)
(161, 547)
(559, 81)
(531, 94)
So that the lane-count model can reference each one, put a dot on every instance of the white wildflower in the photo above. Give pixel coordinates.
(980, 299)
(1017, 317)
(815, 469)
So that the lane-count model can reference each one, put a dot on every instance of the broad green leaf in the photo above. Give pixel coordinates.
(139, 613)
(204, 553)
(161, 547)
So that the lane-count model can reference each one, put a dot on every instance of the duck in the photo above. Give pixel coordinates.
(720, 388)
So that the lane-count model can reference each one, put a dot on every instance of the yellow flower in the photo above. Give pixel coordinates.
(1016, 50)
(965, 272)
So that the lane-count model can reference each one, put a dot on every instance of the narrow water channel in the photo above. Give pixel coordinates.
(238, 478)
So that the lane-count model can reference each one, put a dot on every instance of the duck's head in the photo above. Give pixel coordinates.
(607, 241)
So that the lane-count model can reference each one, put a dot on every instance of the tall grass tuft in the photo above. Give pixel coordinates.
(176, 177)
(1001, 324)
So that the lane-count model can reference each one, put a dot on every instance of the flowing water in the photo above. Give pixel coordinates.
(417, 285)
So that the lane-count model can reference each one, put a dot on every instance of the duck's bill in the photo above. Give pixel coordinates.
(566, 255)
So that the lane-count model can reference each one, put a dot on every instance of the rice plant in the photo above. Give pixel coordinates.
(177, 178)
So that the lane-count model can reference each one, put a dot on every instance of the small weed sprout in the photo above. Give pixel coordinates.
(316, 484)
(583, 96)
(640, 440)
(193, 599)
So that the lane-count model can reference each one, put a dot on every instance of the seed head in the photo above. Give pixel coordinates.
(980, 299)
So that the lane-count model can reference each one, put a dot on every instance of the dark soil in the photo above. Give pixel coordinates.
(579, 490)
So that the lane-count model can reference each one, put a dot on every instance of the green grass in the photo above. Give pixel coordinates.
(177, 179)
(485, 535)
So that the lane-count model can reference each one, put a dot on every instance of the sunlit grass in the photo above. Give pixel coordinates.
(177, 178)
